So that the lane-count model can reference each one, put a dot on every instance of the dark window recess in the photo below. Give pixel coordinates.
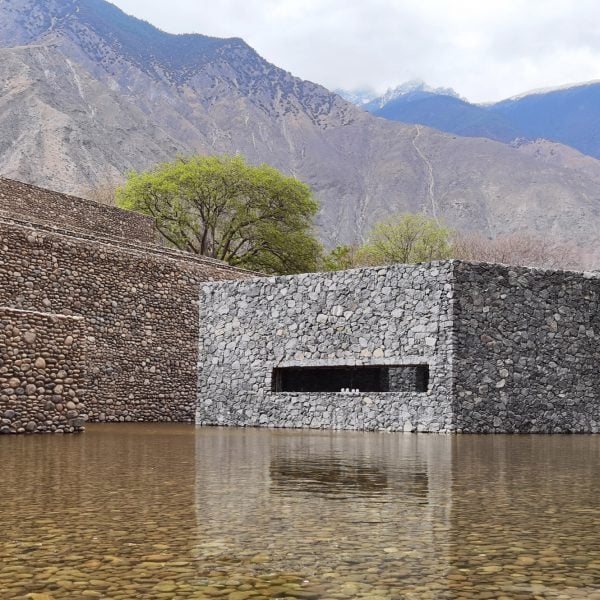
(400, 378)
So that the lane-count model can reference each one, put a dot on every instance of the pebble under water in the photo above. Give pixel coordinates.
(174, 511)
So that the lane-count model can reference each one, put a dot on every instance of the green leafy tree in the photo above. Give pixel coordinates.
(406, 238)
(342, 257)
(224, 208)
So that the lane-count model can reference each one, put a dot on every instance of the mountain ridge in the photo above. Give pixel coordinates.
(75, 111)
(566, 114)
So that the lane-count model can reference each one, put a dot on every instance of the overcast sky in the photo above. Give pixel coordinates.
(485, 49)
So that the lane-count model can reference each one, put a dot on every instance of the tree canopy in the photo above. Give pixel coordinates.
(220, 206)
(400, 238)
(406, 238)
(412, 238)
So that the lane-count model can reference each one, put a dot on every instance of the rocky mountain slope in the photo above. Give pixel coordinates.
(88, 93)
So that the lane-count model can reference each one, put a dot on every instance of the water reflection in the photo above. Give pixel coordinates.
(91, 513)
(139, 511)
(348, 513)
(322, 466)
(327, 476)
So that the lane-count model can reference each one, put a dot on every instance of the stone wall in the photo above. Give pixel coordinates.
(42, 365)
(388, 316)
(509, 349)
(139, 305)
(527, 350)
(36, 204)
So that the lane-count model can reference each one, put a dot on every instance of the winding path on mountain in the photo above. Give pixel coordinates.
(431, 183)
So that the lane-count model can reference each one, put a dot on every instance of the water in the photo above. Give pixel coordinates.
(171, 511)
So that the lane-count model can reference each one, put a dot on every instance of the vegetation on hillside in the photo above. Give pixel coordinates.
(102, 193)
(151, 49)
(221, 207)
(519, 249)
(412, 238)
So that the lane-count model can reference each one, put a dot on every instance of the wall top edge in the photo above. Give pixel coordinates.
(119, 245)
(447, 266)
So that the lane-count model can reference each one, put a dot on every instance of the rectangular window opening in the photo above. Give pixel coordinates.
(392, 378)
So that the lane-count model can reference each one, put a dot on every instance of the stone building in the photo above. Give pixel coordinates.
(71, 269)
(99, 322)
(443, 347)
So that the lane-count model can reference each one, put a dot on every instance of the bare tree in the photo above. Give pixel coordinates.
(103, 193)
(519, 249)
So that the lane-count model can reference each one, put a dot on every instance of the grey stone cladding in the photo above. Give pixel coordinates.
(527, 352)
(508, 349)
(42, 370)
(394, 316)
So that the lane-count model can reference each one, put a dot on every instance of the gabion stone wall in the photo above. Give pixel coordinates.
(527, 350)
(42, 367)
(36, 204)
(139, 304)
(386, 316)
(509, 349)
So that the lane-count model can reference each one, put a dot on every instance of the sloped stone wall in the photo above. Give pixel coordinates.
(140, 311)
(45, 206)
(399, 315)
(527, 350)
(42, 372)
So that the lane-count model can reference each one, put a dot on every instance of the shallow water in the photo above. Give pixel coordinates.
(171, 511)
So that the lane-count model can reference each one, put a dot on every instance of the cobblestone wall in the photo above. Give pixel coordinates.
(45, 206)
(42, 367)
(387, 316)
(527, 350)
(140, 309)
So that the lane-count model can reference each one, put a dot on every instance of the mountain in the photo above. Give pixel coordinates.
(413, 88)
(441, 108)
(569, 115)
(360, 96)
(447, 113)
(88, 93)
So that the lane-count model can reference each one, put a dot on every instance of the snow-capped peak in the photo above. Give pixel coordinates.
(358, 96)
(558, 88)
(412, 86)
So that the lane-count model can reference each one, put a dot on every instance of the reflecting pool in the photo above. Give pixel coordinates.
(174, 511)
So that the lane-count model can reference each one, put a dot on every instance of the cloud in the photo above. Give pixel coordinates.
(485, 49)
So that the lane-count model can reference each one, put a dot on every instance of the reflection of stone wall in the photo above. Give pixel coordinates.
(387, 316)
(42, 366)
(317, 503)
(527, 350)
(40, 205)
(140, 308)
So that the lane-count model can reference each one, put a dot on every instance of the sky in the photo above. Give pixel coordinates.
(486, 50)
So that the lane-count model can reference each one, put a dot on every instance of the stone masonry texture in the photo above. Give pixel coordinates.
(384, 316)
(42, 368)
(139, 308)
(527, 350)
(38, 205)
(509, 349)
